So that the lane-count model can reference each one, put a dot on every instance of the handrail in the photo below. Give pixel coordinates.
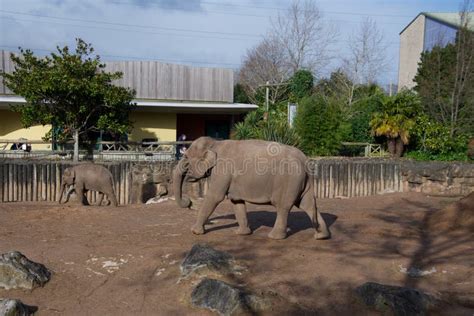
(15, 141)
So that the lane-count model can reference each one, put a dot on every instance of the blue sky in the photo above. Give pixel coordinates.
(199, 32)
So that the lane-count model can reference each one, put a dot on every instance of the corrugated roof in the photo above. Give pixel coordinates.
(450, 18)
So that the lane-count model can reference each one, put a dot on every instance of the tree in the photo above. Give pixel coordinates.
(396, 120)
(240, 96)
(264, 63)
(445, 80)
(319, 124)
(366, 60)
(301, 84)
(298, 39)
(304, 36)
(70, 91)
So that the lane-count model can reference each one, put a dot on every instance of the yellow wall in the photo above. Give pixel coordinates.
(146, 125)
(153, 125)
(10, 128)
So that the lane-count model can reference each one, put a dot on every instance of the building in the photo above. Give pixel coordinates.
(171, 100)
(424, 32)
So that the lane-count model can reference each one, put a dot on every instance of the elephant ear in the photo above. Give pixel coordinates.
(70, 173)
(208, 161)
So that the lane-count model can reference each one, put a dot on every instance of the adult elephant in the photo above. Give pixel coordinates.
(86, 177)
(252, 171)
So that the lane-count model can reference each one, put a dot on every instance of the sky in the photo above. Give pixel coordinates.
(207, 33)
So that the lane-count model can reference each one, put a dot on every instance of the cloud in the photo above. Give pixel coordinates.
(217, 32)
(188, 5)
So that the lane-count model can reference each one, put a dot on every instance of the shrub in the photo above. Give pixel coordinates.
(319, 125)
(275, 128)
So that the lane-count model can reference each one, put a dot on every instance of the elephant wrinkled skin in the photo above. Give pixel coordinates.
(86, 177)
(251, 171)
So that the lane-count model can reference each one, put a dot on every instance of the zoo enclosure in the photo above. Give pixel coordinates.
(22, 180)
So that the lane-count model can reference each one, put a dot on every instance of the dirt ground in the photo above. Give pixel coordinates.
(125, 260)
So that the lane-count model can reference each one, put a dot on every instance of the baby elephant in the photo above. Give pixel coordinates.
(88, 177)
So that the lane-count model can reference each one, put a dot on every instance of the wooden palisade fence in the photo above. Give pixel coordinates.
(22, 180)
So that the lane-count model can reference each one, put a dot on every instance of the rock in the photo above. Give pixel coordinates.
(203, 256)
(395, 300)
(10, 307)
(16, 271)
(221, 297)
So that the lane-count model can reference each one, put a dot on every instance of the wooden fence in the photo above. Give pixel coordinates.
(22, 181)
(40, 180)
(356, 177)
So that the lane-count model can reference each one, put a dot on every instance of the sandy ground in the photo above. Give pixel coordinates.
(125, 260)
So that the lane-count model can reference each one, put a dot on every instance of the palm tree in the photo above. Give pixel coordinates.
(396, 120)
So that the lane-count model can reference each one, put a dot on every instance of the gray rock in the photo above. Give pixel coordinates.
(221, 297)
(10, 307)
(395, 300)
(16, 271)
(203, 256)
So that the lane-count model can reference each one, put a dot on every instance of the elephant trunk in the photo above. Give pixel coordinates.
(178, 176)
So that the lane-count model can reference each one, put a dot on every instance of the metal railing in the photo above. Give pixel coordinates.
(103, 150)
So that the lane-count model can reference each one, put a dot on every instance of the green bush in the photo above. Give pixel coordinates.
(320, 126)
(424, 155)
(275, 128)
(301, 84)
(362, 112)
(432, 141)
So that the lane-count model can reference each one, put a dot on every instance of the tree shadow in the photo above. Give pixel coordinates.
(297, 221)
(425, 235)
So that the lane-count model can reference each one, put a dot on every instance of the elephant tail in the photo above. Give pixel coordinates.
(308, 204)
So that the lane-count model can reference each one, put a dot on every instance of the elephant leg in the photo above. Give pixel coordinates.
(241, 216)
(308, 204)
(111, 196)
(68, 193)
(281, 223)
(101, 197)
(80, 195)
(208, 207)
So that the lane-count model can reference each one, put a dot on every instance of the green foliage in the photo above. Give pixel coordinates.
(396, 117)
(432, 139)
(275, 128)
(240, 96)
(301, 84)
(337, 86)
(361, 114)
(320, 126)
(70, 91)
(247, 129)
(445, 83)
(426, 156)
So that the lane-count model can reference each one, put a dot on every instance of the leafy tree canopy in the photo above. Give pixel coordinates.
(71, 91)
(301, 84)
(320, 126)
(445, 83)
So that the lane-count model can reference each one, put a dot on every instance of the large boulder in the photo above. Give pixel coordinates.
(17, 271)
(221, 297)
(9, 307)
(395, 300)
(204, 257)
